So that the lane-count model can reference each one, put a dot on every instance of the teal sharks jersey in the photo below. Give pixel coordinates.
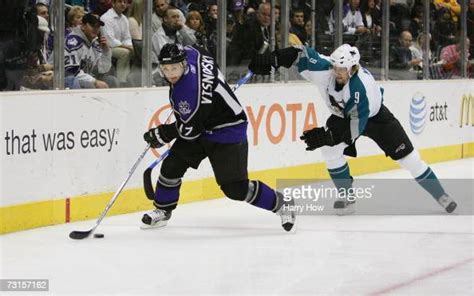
(358, 100)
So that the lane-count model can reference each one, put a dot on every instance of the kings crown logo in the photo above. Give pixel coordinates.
(184, 107)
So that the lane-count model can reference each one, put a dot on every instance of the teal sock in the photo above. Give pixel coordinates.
(430, 183)
(341, 177)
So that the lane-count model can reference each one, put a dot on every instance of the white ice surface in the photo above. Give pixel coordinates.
(222, 247)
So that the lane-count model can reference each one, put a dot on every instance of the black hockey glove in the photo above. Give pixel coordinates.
(317, 137)
(159, 136)
(340, 129)
(262, 64)
(286, 56)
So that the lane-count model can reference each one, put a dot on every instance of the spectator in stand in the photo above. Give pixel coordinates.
(297, 25)
(43, 53)
(159, 10)
(416, 25)
(252, 37)
(400, 54)
(102, 6)
(451, 56)
(118, 33)
(253, 4)
(211, 29)
(445, 29)
(211, 19)
(197, 5)
(450, 6)
(400, 18)
(372, 17)
(171, 31)
(88, 57)
(181, 5)
(323, 11)
(135, 19)
(38, 74)
(352, 19)
(250, 12)
(74, 18)
(238, 15)
(12, 53)
(278, 26)
(196, 24)
(42, 10)
(417, 49)
(294, 40)
(445, 15)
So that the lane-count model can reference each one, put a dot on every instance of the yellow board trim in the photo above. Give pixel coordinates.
(51, 212)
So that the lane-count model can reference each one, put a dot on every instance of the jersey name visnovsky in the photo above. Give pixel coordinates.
(207, 65)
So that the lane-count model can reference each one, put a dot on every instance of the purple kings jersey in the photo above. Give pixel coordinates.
(204, 104)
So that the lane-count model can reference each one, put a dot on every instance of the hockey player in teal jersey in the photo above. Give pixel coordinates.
(356, 102)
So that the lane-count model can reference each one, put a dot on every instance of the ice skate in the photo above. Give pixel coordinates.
(287, 215)
(155, 219)
(447, 203)
(344, 207)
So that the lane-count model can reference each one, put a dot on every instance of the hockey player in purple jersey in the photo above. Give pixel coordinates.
(210, 122)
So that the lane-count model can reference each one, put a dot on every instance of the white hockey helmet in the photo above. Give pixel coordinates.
(345, 56)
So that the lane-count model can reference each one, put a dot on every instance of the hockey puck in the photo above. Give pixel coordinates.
(98, 235)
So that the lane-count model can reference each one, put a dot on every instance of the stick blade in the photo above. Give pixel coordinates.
(79, 234)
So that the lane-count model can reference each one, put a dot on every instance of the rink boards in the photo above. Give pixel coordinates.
(64, 153)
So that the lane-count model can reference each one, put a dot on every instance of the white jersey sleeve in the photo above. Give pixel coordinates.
(314, 67)
(105, 60)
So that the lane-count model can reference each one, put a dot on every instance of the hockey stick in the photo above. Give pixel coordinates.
(147, 182)
(243, 80)
(83, 234)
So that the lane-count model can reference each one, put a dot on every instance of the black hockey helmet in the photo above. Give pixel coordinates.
(171, 53)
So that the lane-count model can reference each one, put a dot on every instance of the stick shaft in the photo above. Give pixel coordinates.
(119, 190)
(243, 80)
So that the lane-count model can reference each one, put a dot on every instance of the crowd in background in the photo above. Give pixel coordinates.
(103, 38)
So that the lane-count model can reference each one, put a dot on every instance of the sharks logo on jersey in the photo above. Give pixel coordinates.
(337, 106)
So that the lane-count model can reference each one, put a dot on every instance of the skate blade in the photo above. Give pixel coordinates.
(350, 209)
(451, 207)
(160, 224)
(292, 230)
